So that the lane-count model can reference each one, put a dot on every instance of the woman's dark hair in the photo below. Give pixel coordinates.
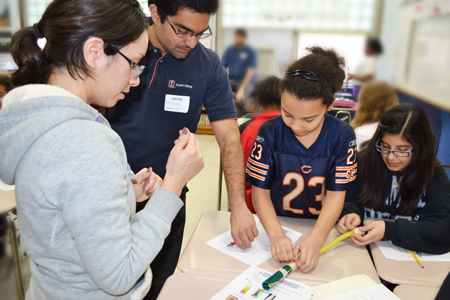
(66, 25)
(6, 82)
(171, 7)
(375, 45)
(268, 92)
(324, 64)
(411, 122)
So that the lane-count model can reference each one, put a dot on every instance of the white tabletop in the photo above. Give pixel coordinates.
(409, 272)
(408, 292)
(7, 201)
(192, 287)
(344, 260)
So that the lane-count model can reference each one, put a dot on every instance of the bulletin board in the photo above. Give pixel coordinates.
(421, 57)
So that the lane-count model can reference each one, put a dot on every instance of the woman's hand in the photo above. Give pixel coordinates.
(349, 76)
(308, 249)
(348, 222)
(281, 247)
(145, 184)
(185, 161)
(376, 232)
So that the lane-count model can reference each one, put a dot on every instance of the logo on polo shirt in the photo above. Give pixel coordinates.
(172, 84)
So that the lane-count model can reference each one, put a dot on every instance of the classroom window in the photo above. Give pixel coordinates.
(342, 15)
(349, 46)
(35, 8)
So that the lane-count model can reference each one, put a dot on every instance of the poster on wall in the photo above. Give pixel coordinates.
(9, 22)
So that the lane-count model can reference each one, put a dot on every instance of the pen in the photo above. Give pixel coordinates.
(231, 244)
(268, 296)
(417, 259)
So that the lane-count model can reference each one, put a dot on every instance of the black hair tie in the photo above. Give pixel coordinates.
(324, 84)
(37, 31)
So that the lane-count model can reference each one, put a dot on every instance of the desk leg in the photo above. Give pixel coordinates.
(219, 196)
(15, 251)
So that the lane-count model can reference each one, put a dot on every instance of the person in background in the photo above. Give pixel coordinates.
(241, 61)
(268, 97)
(400, 182)
(5, 87)
(303, 161)
(180, 77)
(366, 69)
(76, 195)
(375, 99)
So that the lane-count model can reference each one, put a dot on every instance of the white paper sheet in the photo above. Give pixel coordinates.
(345, 285)
(248, 286)
(377, 292)
(5, 187)
(258, 253)
(393, 252)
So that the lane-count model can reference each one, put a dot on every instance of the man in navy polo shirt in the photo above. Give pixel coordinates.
(241, 60)
(180, 77)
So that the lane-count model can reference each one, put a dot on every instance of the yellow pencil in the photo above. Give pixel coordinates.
(417, 259)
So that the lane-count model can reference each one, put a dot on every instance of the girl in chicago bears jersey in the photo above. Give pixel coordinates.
(402, 181)
(303, 162)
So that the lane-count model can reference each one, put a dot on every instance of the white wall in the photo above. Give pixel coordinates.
(391, 11)
(281, 40)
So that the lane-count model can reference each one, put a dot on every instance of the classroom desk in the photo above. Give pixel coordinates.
(345, 259)
(407, 292)
(7, 204)
(192, 287)
(408, 272)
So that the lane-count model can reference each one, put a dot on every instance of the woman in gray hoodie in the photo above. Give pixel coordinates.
(76, 195)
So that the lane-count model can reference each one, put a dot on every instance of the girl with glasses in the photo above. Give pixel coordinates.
(401, 182)
(76, 194)
(303, 161)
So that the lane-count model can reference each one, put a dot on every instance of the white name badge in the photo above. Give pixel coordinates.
(176, 103)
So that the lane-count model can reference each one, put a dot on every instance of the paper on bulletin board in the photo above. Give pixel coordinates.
(248, 286)
(392, 252)
(258, 253)
(5, 187)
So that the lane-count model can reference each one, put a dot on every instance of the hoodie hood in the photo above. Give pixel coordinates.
(28, 113)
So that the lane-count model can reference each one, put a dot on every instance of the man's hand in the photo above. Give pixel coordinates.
(243, 227)
(240, 95)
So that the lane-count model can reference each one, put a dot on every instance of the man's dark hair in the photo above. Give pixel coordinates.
(241, 32)
(375, 45)
(171, 7)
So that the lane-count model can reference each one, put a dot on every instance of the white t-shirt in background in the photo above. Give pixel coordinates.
(367, 66)
(365, 133)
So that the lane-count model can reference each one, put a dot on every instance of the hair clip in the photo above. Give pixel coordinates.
(41, 40)
(322, 83)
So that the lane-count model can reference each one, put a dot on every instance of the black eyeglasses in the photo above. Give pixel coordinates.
(135, 68)
(187, 34)
(398, 153)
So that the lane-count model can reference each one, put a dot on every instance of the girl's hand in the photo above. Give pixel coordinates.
(185, 161)
(376, 232)
(145, 184)
(308, 249)
(348, 222)
(281, 247)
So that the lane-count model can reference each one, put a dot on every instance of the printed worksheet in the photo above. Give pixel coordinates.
(5, 187)
(345, 285)
(393, 252)
(248, 286)
(377, 292)
(258, 253)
